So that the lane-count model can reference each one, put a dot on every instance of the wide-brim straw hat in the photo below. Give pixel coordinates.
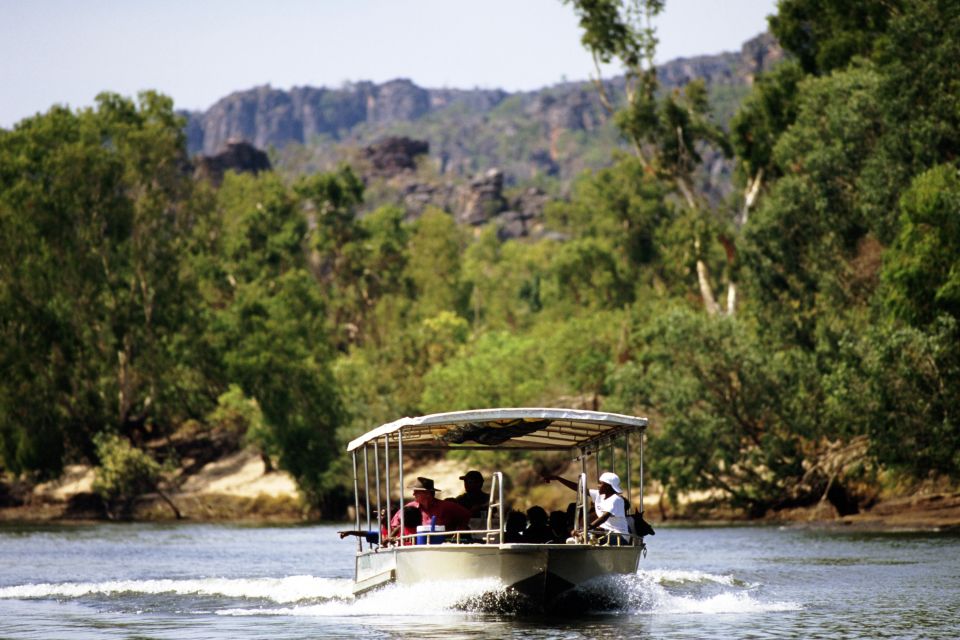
(423, 484)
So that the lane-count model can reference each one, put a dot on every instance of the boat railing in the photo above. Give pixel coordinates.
(495, 507)
(493, 534)
(605, 538)
(581, 534)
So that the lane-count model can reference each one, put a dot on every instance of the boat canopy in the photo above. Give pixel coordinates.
(535, 429)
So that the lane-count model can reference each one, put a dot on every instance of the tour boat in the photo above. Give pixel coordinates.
(539, 573)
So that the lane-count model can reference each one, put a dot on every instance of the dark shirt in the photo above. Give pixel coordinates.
(537, 534)
(476, 502)
(513, 536)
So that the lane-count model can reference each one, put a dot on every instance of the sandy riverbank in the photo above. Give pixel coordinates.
(237, 487)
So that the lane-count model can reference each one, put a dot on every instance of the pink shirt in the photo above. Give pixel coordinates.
(448, 513)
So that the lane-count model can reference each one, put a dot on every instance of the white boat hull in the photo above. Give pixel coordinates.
(540, 572)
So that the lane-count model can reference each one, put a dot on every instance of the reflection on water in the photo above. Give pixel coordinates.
(208, 581)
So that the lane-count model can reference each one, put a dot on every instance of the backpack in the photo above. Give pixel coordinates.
(640, 526)
(637, 525)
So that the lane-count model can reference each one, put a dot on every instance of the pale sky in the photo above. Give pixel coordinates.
(198, 51)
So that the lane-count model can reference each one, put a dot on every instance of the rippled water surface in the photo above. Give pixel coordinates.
(217, 581)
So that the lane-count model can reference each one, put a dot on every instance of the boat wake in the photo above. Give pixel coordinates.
(654, 592)
(287, 590)
(665, 592)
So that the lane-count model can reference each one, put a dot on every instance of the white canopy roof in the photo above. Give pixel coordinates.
(516, 428)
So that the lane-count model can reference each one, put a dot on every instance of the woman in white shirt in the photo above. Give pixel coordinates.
(610, 506)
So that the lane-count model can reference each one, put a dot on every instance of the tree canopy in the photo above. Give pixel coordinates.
(136, 298)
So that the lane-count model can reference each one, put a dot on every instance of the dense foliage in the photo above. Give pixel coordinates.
(134, 298)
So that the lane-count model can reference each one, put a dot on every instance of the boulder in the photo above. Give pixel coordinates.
(394, 155)
(481, 199)
(239, 156)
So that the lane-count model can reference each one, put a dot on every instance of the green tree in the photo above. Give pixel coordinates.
(666, 132)
(824, 35)
(767, 111)
(434, 263)
(124, 473)
(587, 274)
(624, 206)
(581, 351)
(497, 370)
(268, 322)
(272, 340)
(921, 271)
(805, 243)
(505, 280)
(94, 209)
(337, 249)
(898, 384)
(735, 416)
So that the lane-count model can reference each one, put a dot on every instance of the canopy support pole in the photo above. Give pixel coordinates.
(366, 484)
(641, 471)
(356, 500)
(386, 464)
(376, 467)
(403, 525)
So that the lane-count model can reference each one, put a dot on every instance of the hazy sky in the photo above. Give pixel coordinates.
(197, 51)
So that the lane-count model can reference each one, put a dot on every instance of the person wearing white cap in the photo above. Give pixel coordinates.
(609, 505)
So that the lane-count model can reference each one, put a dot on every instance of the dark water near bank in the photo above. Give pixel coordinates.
(212, 581)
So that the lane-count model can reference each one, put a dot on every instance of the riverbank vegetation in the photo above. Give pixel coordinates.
(795, 343)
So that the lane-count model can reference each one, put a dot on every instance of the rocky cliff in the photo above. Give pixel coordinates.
(556, 131)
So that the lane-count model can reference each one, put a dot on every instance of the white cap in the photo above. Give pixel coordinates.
(611, 479)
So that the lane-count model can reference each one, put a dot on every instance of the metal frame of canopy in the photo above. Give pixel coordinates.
(582, 432)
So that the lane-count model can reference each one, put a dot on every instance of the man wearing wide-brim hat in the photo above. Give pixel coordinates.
(449, 514)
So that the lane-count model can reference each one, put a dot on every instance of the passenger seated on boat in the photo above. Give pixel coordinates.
(609, 505)
(448, 514)
(372, 537)
(411, 517)
(573, 516)
(514, 526)
(538, 529)
(473, 497)
(560, 525)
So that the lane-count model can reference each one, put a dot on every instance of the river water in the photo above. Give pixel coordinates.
(227, 581)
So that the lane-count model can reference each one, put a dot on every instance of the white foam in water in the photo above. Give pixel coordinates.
(280, 590)
(424, 599)
(646, 592)
(741, 602)
(681, 576)
(651, 589)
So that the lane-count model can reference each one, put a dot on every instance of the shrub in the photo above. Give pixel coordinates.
(124, 472)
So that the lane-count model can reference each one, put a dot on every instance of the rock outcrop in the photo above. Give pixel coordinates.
(394, 155)
(468, 147)
(239, 156)
(481, 199)
(557, 131)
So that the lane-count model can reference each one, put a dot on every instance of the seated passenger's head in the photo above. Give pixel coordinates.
(423, 491)
(412, 517)
(609, 484)
(516, 521)
(559, 521)
(537, 516)
(472, 481)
